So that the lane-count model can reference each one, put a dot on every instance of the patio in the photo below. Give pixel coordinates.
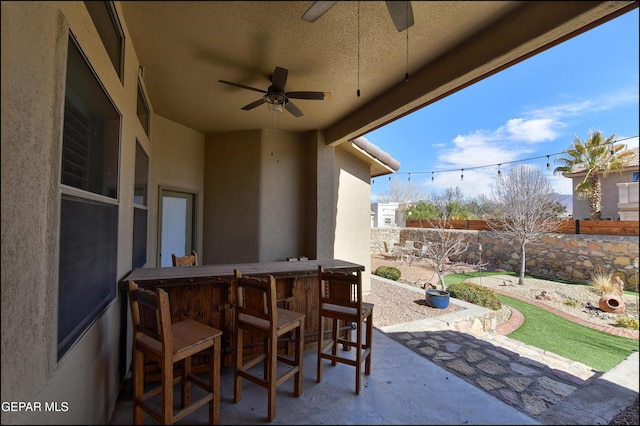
(403, 388)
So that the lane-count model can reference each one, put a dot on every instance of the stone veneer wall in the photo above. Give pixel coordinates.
(559, 256)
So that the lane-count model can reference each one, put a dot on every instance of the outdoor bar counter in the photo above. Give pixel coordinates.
(203, 293)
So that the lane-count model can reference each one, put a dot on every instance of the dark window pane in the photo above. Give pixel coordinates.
(142, 109)
(106, 21)
(139, 237)
(91, 133)
(142, 173)
(87, 268)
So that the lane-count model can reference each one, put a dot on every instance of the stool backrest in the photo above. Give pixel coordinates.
(188, 260)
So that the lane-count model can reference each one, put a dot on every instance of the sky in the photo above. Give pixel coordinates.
(532, 109)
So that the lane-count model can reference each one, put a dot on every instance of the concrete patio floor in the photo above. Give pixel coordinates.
(403, 388)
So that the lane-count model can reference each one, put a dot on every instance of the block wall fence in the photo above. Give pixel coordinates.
(559, 256)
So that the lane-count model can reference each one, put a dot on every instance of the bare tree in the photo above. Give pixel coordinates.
(446, 245)
(525, 211)
(402, 192)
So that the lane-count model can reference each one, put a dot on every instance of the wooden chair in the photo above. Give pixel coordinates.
(393, 254)
(256, 311)
(340, 299)
(155, 338)
(188, 260)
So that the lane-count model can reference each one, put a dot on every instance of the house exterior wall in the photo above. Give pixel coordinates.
(35, 37)
(353, 225)
(384, 214)
(175, 163)
(296, 198)
(609, 196)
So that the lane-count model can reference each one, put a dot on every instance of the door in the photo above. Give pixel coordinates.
(176, 225)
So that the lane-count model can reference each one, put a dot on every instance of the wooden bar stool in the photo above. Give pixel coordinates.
(256, 311)
(340, 299)
(155, 338)
(188, 260)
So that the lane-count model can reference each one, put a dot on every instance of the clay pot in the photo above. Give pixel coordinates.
(610, 303)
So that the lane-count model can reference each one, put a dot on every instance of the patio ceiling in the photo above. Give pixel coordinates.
(186, 47)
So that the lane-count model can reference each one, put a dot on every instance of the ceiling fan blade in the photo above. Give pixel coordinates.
(289, 106)
(317, 9)
(279, 79)
(242, 86)
(319, 96)
(401, 13)
(252, 105)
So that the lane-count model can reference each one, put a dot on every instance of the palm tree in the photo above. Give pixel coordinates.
(597, 157)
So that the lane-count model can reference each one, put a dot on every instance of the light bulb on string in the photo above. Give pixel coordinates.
(612, 151)
(389, 178)
(432, 178)
(462, 174)
(499, 172)
(548, 164)
(409, 180)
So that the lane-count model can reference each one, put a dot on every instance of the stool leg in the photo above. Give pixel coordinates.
(237, 380)
(320, 344)
(138, 385)
(272, 360)
(367, 363)
(214, 382)
(299, 351)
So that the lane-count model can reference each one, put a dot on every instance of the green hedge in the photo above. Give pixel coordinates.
(476, 294)
(388, 272)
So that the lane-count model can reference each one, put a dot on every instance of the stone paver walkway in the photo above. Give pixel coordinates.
(527, 378)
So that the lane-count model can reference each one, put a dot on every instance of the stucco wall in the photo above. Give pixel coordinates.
(609, 196)
(353, 221)
(176, 162)
(35, 37)
(563, 256)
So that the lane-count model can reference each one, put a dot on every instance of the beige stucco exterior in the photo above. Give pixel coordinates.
(260, 196)
(610, 197)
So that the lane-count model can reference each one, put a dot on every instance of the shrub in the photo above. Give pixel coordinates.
(601, 281)
(627, 322)
(476, 294)
(388, 272)
(572, 302)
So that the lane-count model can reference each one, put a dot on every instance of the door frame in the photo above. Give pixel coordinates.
(192, 202)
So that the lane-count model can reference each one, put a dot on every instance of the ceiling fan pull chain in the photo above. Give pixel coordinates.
(406, 74)
(358, 91)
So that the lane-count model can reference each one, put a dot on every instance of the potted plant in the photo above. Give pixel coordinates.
(610, 288)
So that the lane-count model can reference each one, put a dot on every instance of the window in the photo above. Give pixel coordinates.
(635, 176)
(140, 208)
(87, 279)
(142, 109)
(105, 18)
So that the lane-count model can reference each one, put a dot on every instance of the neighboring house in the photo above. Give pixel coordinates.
(384, 215)
(112, 116)
(614, 192)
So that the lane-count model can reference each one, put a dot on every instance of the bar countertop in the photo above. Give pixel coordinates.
(224, 272)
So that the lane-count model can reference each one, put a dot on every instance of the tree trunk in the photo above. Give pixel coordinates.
(595, 198)
(522, 263)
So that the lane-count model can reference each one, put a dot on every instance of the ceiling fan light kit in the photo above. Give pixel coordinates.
(276, 98)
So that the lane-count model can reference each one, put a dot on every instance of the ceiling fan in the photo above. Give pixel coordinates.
(400, 11)
(276, 96)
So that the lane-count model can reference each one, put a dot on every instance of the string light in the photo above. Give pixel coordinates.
(548, 156)
(499, 172)
(409, 177)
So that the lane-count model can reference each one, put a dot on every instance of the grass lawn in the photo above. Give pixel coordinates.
(547, 331)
